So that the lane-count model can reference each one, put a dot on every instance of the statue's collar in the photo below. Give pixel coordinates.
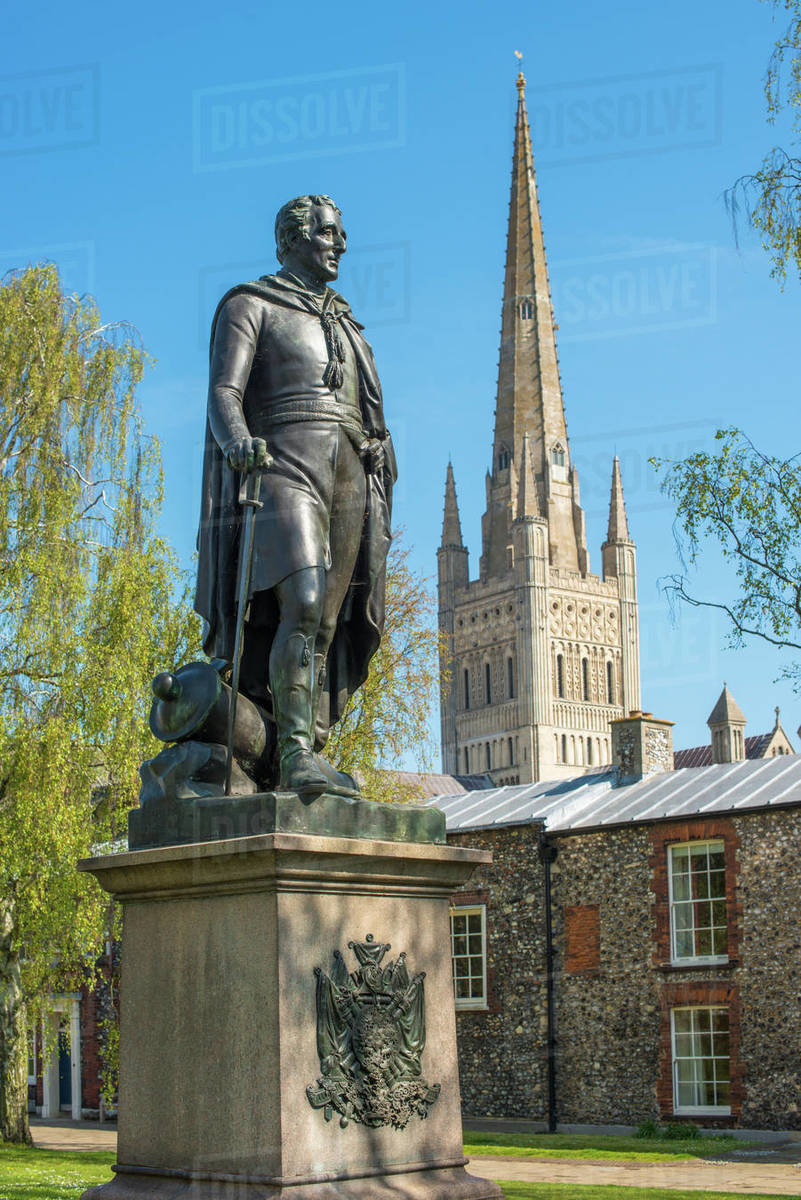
(300, 285)
(295, 290)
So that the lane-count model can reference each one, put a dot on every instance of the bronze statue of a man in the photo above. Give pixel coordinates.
(293, 392)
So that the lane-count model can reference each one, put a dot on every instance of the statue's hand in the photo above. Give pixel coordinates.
(372, 453)
(248, 454)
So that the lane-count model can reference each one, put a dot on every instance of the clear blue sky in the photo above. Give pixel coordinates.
(146, 149)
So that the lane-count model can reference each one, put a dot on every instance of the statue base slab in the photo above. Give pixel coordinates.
(224, 946)
(173, 822)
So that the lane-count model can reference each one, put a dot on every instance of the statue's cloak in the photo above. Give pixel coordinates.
(361, 618)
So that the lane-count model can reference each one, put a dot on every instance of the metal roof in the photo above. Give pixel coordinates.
(430, 784)
(591, 801)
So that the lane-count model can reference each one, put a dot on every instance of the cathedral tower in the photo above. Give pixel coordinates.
(542, 653)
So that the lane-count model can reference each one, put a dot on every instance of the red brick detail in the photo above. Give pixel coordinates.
(662, 836)
(702, 993)
(90, 1050)
(470, 899)
(582, 939)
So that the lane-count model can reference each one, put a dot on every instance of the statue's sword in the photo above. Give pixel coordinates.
(249, 489)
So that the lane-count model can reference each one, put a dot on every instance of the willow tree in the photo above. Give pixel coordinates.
(388, 716)
(92, 604)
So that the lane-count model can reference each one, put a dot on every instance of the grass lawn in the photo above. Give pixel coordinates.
(572, 1191)
(29, 1174)
(600, 1146)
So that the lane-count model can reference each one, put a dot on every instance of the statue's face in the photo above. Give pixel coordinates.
(319, 254)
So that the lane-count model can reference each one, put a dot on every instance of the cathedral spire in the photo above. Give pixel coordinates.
(451, 525)
(618, 525)
(529, 396)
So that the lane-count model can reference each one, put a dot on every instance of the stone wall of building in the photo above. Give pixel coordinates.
(770, 975)
(608, 1017)
(502, 1051)
(614, 984)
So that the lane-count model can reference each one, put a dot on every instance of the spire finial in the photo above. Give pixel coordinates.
(618, 524)
(451, 525)
(521, 79)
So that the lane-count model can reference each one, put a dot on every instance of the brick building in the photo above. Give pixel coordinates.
(671, 905)
(66, 1052)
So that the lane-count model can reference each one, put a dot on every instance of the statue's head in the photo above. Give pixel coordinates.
(309, 237)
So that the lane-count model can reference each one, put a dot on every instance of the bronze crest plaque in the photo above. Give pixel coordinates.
(371, 1032)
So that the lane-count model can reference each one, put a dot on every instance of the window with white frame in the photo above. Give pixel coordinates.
(469, 954)
(700, 1050)
(697, 885)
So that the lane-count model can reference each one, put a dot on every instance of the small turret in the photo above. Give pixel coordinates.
(452, 554)
(618, 528)
(619, 561)
(451, 525)
(528, 502)
(727, 727)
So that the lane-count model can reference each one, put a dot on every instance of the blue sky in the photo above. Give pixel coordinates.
(146, 150)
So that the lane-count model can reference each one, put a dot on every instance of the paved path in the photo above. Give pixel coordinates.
(780, 1179)
(73, 1135)
(745, 1178)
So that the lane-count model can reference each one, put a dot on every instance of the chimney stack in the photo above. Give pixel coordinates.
(642, 745)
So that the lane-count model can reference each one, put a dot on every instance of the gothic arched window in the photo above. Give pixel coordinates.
(526, 309)
(558, 455)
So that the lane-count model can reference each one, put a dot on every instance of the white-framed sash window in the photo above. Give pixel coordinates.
(701, 1063)
(469, 955)
(697, 892)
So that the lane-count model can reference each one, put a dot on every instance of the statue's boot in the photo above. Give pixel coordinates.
(291, 669)
(295, 697)
(340, 782)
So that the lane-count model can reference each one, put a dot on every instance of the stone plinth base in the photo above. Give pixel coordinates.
(214, 818)
(444, 1183)
(225, 945)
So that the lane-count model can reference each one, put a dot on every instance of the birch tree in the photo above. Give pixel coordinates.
(747, 504)
(92, 604)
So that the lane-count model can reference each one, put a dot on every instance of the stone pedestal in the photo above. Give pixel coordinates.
(219, 1020)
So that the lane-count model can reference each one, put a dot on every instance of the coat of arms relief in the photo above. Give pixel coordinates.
(370, 1035)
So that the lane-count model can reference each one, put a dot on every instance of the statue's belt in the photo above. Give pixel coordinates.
(290, 411)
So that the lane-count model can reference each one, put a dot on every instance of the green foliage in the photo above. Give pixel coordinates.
(677, 1131)
(388, 715)
(647, 1129)
(749, 504)
(90, 609)
(771, 197)
(109, 1031)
